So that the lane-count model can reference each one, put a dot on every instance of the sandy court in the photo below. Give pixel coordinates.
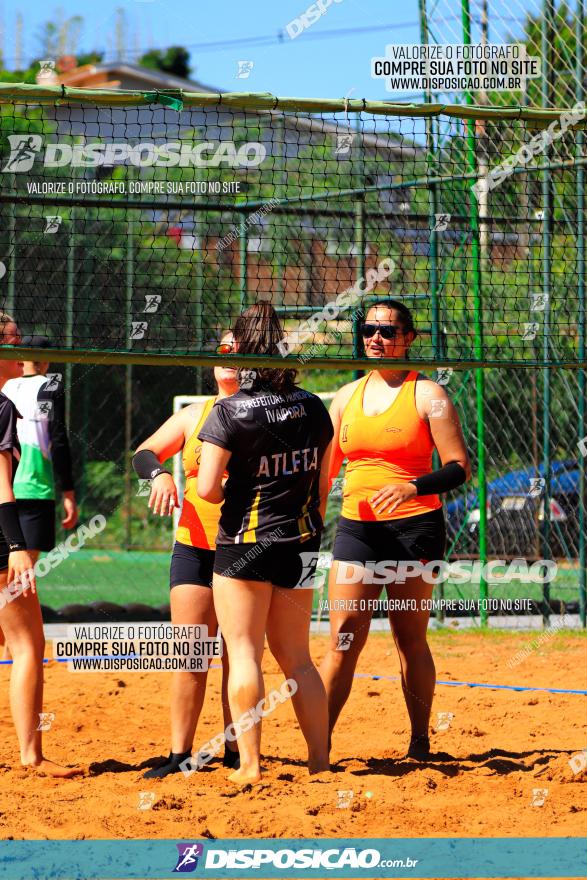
(500, 746)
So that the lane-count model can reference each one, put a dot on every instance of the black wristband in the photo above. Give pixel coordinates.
(147, 466)
(10, 526)
(446, 478)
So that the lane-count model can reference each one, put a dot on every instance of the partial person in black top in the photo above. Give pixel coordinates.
(273, 439)
(34, 487)
(20, 612)
(277, 443)
(54, 392)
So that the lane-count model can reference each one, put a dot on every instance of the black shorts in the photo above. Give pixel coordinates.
(191, 565)
(283, 563)
(37, 521)
(419, 538)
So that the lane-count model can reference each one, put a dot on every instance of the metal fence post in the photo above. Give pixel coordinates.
(359, 246)
(582, 459)
(128, 370)
(547, 207)
(478, 322)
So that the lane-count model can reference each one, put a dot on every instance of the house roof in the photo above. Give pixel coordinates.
(379, 141)
(114, 70)
(110, 74)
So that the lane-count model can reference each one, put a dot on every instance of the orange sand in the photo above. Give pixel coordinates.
(500, 746)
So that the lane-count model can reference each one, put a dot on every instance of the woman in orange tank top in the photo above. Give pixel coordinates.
(388, 424)
(192, 558)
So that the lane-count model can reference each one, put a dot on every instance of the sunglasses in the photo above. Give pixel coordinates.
(225, 348)
(387, 331)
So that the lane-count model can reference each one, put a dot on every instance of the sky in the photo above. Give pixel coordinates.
(329, 59)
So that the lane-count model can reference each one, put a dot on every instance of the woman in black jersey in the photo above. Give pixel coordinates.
(273, 439)
(191, 561)
(20, 612)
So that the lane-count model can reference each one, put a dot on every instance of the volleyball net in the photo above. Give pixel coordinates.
(135, 226)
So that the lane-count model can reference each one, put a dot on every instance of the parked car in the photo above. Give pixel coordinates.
(515, 514)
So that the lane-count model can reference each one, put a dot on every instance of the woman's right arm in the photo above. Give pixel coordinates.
(165, 442)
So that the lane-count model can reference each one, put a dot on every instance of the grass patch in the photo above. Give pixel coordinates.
(139, 576)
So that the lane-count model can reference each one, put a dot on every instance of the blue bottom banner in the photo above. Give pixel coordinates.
(436, 857)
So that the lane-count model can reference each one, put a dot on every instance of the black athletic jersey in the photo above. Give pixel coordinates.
(60, 451)
(8, 433)
(277, 443)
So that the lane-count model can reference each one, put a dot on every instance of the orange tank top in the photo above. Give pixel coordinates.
(198, 522)
(393, 447)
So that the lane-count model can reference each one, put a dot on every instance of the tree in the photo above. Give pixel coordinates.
(562, 56)
(90, 58)
(173, 60)
(60, 37)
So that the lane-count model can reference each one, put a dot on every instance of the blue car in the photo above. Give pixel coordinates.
(515, 515)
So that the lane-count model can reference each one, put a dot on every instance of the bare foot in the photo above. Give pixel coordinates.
(325, 775)
(316, 766)
(245, 777)
(50, 768)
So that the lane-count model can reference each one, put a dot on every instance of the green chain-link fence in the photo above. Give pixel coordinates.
(136, 227)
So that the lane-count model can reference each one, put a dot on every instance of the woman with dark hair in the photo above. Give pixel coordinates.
(192, 558)
(20, 613)
(387, 424)
(273, 439)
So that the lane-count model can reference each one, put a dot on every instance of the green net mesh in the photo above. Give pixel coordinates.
(135, 228)
(143, 231)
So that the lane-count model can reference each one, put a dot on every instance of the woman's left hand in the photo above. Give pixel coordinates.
(391, 496)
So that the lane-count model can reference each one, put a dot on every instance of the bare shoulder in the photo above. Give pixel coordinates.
(426, 387)
(190, 416)
(344, 394)
(426, 391)
(193, 409)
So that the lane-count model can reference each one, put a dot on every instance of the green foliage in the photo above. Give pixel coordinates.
(20, 76)
(173, 60)
(104, 488)
(200, 287)
(90, 58)
(562, 55)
